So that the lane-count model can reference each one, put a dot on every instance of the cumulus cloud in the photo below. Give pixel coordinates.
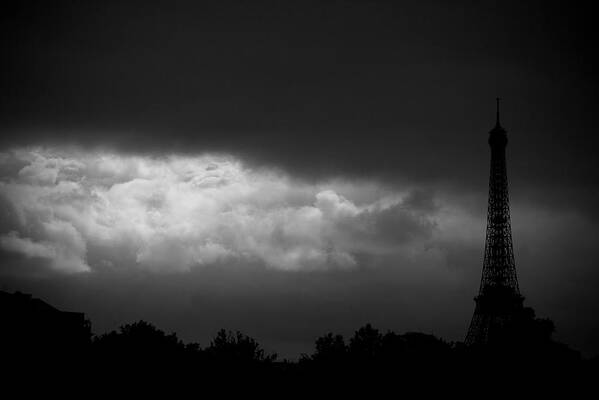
(65, 253)
(13, 242)
(84, 210)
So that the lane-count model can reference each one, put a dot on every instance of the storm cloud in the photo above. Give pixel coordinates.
(83, 210)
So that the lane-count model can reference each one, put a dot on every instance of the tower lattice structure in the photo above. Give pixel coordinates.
(499, 298)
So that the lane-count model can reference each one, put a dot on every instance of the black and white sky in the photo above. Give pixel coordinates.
(293, 168)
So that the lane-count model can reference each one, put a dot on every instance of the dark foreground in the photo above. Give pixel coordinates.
(46, 350)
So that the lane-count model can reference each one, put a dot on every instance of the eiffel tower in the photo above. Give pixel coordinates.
(499, 299)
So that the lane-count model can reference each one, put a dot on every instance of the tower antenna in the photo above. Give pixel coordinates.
(497, 100)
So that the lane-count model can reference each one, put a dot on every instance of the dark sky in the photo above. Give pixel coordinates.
(364, 99)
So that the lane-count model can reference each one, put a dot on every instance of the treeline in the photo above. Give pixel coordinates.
(527, 347)
(368, 357)
(37, 340)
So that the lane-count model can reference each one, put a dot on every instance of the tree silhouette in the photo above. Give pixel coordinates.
(140, 341)
(366, 344)
(329, 348)
(237, 348)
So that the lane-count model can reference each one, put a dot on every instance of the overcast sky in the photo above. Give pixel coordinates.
(293, 168)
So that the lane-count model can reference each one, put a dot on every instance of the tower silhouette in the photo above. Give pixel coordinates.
(499, 298)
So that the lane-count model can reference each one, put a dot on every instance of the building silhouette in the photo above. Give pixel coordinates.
(499, 301)
(33, 328)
